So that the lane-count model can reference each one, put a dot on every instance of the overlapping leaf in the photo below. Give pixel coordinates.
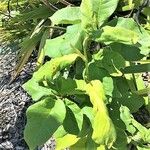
(61, 45)
(67, 15)
(130, 24)
(103, 129)
(46, 73)
(95, 12)
(41, 115)
(117, 34)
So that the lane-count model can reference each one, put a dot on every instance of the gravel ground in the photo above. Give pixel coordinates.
(14, 102)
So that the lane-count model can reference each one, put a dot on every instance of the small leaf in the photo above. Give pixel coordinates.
(66, 141)
(67, 15)
(127, 119)
(135, 128)
(43, 119)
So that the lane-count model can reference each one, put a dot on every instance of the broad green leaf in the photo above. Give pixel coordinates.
(130, 24)
(113, 62)
(88, 111)
(82, 100)
(110, 87)
(46, 73)
(36, 91)
(114, 114)
(69, 86)
(121, 141)
(103, 129)
(122, 85)
(98, 72)
(137, 68)
(74, 118)
(49, 69)
(117, 34)
(62, 45)
(128, 52)
(60, 132)
(66, 141)
(67, 15)
(133, 102)
(43, 119)
(96, 12)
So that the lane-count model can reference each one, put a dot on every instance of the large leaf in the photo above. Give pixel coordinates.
(103, 129)
(74, 118)
(49, 69)
(98, 72)
(61, 45)
(113, 62)
(130, 24)
(117, 34)
(69, 86)
(128, 52)
(95, 12)
(67, 134)
(67, 15)
(46, 73)
(43, 119)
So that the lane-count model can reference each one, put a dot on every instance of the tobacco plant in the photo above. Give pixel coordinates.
(86, 94)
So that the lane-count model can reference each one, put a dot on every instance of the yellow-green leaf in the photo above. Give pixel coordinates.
(66, 141)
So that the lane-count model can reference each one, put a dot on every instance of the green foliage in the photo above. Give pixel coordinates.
(85, 94)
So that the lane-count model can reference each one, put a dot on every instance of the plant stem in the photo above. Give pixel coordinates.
(66, 3)
(85, 47)
(55, 27)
